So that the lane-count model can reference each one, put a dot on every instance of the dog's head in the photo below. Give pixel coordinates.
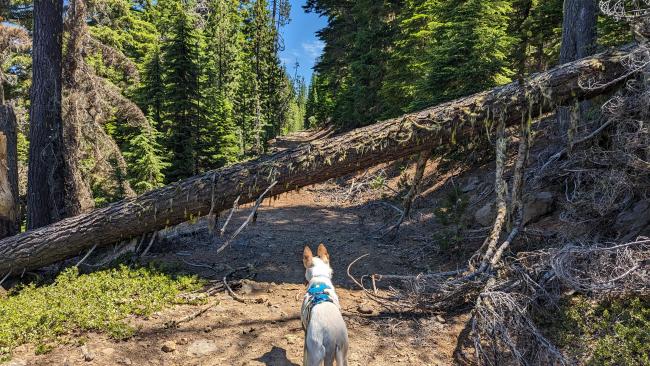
(318, 266)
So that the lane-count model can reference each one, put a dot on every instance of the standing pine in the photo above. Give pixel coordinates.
(222, 65)
(259, 32)
(182, 97)
(471, 49)
(144, 158)
(151, 93)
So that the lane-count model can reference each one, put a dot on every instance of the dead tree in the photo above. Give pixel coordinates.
(456, 122)
(89, 101)
(9, 224)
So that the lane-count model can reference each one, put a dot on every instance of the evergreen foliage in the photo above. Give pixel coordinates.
(208, 77)
(385, 58)
(182, 112)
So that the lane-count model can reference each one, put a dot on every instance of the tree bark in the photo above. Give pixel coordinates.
(455, 122)
(9, 223)
(45, 182)
(578, 41)
(77, 193)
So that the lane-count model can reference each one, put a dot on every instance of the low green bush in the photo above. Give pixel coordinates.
(100, 301)
(613, 332)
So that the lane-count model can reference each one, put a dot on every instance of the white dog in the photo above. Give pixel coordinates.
(326, 337)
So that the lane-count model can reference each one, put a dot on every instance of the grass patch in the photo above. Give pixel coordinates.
(613, 332)
(100, 301)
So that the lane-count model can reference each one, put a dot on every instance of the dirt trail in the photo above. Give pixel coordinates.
(269, 333)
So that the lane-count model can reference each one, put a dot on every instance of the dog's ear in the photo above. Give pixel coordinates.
(307, 257)
(322, 253)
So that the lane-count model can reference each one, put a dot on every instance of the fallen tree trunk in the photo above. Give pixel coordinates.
(455, 122)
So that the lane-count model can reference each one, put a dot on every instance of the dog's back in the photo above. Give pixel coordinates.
(326, 338)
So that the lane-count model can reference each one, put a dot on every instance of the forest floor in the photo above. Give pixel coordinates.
(348, 215)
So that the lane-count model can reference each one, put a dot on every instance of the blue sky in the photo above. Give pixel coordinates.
(300, 42)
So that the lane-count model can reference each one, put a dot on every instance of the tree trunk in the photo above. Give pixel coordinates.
(77, 192)
(45, 183)
(578, 41)
(9, 223)
(455, 122)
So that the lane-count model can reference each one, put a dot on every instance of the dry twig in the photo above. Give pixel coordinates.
(248, 219)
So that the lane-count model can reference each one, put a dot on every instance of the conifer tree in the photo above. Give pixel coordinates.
(145, 159)
(471, 49)
(182, 112)
(258, 30)
(222, 71)
(410, 59)
(152, 91)
(320, 102)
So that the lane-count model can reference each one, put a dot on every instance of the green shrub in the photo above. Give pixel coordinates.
(99, 301)
(614, 332)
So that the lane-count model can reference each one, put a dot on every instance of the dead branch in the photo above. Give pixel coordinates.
(235, 205)
(220, 286)
(248, 219)
(175, 323)
(423, 158)
(604, 270)
(236, 297)
(516, 200)
(151, 241)
(5, 277)
(379, 299)
(502, 328)
(489, 246)
(86, 256)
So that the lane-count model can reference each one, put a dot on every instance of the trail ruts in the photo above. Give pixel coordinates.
(455, 122)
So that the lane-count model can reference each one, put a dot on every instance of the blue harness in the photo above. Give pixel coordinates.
(317, 295)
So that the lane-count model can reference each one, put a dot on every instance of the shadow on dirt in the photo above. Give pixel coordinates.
(276, 357)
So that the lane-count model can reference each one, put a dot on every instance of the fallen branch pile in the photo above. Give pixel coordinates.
(502, 328)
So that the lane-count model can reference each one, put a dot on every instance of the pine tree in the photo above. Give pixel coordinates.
(129, 58)
(224, 46)
(151, 93)
(471, 50)
(332, 71)
(258, 30)
(311, 105)
(145, 159)
(126, 29)
(295, 119)
(182, 114)
(320, 102)
(544, 31)
(301, 101)
(279, 88)
(222, 71)
(410, 59)
(45, 185)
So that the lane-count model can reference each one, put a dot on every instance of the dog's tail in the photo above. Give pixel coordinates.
(342, 355)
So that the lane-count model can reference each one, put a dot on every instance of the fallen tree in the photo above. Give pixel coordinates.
(455, 122)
